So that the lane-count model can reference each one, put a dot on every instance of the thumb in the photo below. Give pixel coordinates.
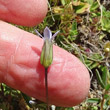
(23, 12)
(20, 68)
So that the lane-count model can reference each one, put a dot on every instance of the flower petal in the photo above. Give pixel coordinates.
(55, 35)
(47, 33)
(38, 33)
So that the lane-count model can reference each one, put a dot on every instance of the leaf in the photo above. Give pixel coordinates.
(93, 100)
(94, 65)
(80, 7)
(106, 96)
(90, 1)
(104, 74)
(107, 87)
(105, 20)
(74, 28)
(94, 6)
(96, 56)
(73, 31)
(70, 108)
(65, 2)
(100, 79)
(107, 103)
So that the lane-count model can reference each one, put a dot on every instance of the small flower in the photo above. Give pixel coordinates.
(32, 102)
(47, 49)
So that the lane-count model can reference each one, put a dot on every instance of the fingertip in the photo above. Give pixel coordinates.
(22, 12)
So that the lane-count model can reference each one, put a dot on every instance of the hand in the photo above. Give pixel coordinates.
(20, 68)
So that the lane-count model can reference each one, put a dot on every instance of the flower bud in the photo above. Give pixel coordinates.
(47, 49)
(47, 54)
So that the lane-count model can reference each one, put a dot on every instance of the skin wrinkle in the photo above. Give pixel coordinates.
(16, 75)
(64, 65)
(7, 55)
(12, 61)
(22, 65)
(24, 68)
(18, 44)
(19, 55)
(7, 73)
(29, 57)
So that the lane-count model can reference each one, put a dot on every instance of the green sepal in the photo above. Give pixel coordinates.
(47, 54)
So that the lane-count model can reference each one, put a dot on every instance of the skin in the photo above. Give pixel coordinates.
(23, 12)
(20, 68)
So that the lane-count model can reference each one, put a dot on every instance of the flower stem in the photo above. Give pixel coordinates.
(46, 87)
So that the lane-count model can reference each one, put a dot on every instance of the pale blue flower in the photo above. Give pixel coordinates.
(47, 34)
(47, 49)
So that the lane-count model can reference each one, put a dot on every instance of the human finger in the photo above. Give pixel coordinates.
(23, 12)
(20, 68)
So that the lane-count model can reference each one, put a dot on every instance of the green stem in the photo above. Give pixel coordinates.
(46, 87)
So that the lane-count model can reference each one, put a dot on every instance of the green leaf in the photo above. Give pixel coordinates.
(90, 1)
(105, 21)
(107, 87)
(93, 100)
(65, 2)
(107, 103)
(94, 65)
(96, 56)
(106, 96)
(104, 74)
(100, 79)
(74, 30)
(94, 6)
(70, 108)
(81, 7)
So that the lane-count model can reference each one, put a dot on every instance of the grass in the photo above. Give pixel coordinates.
(84, 31)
